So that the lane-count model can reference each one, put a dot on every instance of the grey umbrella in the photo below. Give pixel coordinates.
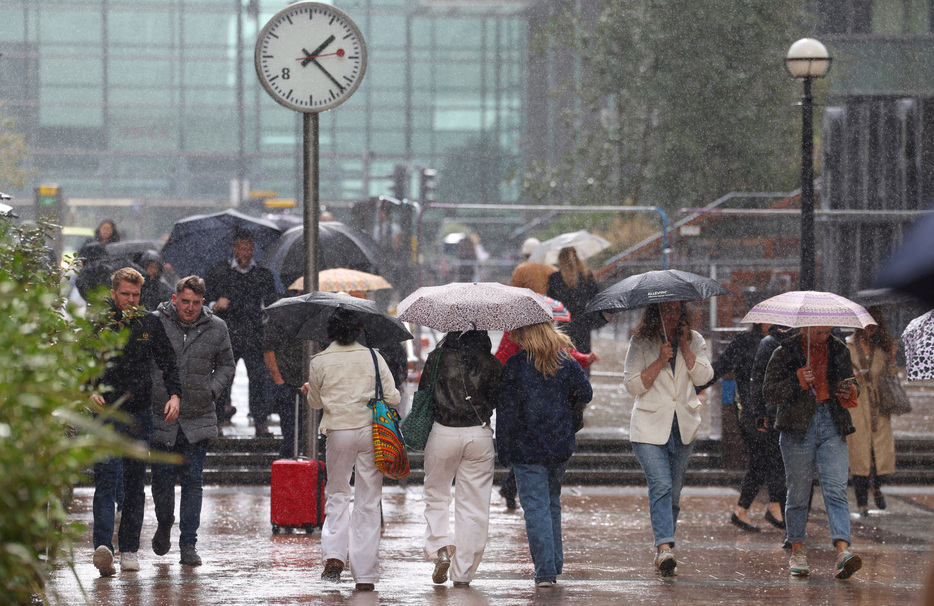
(474, 305)
(653, 287)
(306, 317)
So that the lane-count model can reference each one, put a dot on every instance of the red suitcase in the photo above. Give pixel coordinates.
(297, 491)
(297, 496)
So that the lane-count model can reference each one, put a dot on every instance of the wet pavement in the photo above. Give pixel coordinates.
(607, 534)
(608, 556)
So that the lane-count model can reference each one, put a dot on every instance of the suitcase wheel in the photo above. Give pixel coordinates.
(275, 529)
(309, 528)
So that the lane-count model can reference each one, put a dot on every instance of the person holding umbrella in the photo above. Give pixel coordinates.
(666, 360)
(460, 450)
(542, 386)
(810, 381)
(340, 381)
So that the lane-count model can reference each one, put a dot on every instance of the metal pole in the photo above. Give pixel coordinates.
(310, 191)
(806, 279)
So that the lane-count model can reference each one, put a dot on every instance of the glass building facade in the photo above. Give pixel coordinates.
(154, 104)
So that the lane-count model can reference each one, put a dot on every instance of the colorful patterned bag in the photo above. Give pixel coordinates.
(391, 457)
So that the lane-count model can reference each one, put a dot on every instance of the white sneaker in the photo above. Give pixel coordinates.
(545, 584)
(104, 561)
(129, 562)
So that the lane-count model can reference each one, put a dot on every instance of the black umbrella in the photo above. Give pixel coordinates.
(306, 317)
(883, 296)
(198, 243)
(132, 250)
(338, 246)
(652, 287)
(911, 269)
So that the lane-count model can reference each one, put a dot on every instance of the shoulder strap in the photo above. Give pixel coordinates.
(434, 372)
(379, 384)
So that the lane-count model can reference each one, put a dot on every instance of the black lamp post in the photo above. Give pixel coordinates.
(807, 59)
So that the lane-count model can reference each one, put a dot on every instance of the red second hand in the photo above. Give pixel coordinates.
(339, 53)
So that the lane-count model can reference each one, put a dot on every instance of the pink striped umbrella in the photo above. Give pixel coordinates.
(800, 308)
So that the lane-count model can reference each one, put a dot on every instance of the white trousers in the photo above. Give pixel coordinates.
(352, 538)
(464, 454)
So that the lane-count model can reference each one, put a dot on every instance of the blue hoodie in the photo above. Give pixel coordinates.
(534, 417)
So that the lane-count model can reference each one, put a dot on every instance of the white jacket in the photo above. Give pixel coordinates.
(342, 381)
(655, 407)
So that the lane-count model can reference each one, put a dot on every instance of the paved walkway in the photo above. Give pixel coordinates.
(608, 557)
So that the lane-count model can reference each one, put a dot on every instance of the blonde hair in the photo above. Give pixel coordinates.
(544, 346)
(571, 266)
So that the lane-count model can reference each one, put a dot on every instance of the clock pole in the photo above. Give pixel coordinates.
(311, 207)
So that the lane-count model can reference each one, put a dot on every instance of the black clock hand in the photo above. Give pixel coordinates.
(328, 74)
(310, 56)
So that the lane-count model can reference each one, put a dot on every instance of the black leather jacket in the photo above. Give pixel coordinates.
(466, 361)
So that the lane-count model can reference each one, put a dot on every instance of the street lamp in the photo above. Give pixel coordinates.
(806, 59)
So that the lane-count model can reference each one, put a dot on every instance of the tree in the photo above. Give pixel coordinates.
(48, 439)
(680, 102)
(13, 155)
(476, 172)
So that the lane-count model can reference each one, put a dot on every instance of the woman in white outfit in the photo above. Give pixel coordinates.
(342, 381)
(666, 360)
(460, 448)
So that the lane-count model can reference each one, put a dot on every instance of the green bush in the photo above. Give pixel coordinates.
(48, 438)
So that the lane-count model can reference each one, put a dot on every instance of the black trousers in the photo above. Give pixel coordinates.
(258, 376)
(765, 467)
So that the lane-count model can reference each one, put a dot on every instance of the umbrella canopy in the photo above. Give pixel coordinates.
(474, 306)
(341, 279)
(132, 250)
(883, 296)
(338, 246)
(652, 287)
(558, 310)
(918, 340)
(306, 317)
(800, 308)
(199, 242)
(585, 243)
(911, 268)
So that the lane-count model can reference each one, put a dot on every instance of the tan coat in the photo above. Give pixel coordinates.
(533, 276)
(865, 440)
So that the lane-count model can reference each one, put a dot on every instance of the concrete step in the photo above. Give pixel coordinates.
(247, 461)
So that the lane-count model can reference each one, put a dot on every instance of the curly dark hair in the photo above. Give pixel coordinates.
(344, 326)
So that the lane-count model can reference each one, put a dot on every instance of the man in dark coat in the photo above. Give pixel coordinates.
(130, 386)
(238, 290)
(284, 355)
(206, 365)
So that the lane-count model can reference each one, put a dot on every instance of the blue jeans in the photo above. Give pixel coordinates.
(664, 466)
(131, 473)
(540, 491)
(189, 475)
(822, 448)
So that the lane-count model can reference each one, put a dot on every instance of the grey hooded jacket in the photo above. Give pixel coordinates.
(206, 365)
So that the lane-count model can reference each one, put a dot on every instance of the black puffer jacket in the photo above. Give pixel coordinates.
(128, 373)
(466, 368)
(796, 406)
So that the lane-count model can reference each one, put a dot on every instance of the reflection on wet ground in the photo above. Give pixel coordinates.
(608, 556)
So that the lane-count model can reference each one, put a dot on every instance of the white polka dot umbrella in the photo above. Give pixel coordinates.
(474, 306)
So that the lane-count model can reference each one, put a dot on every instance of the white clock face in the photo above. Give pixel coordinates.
(310, 57)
